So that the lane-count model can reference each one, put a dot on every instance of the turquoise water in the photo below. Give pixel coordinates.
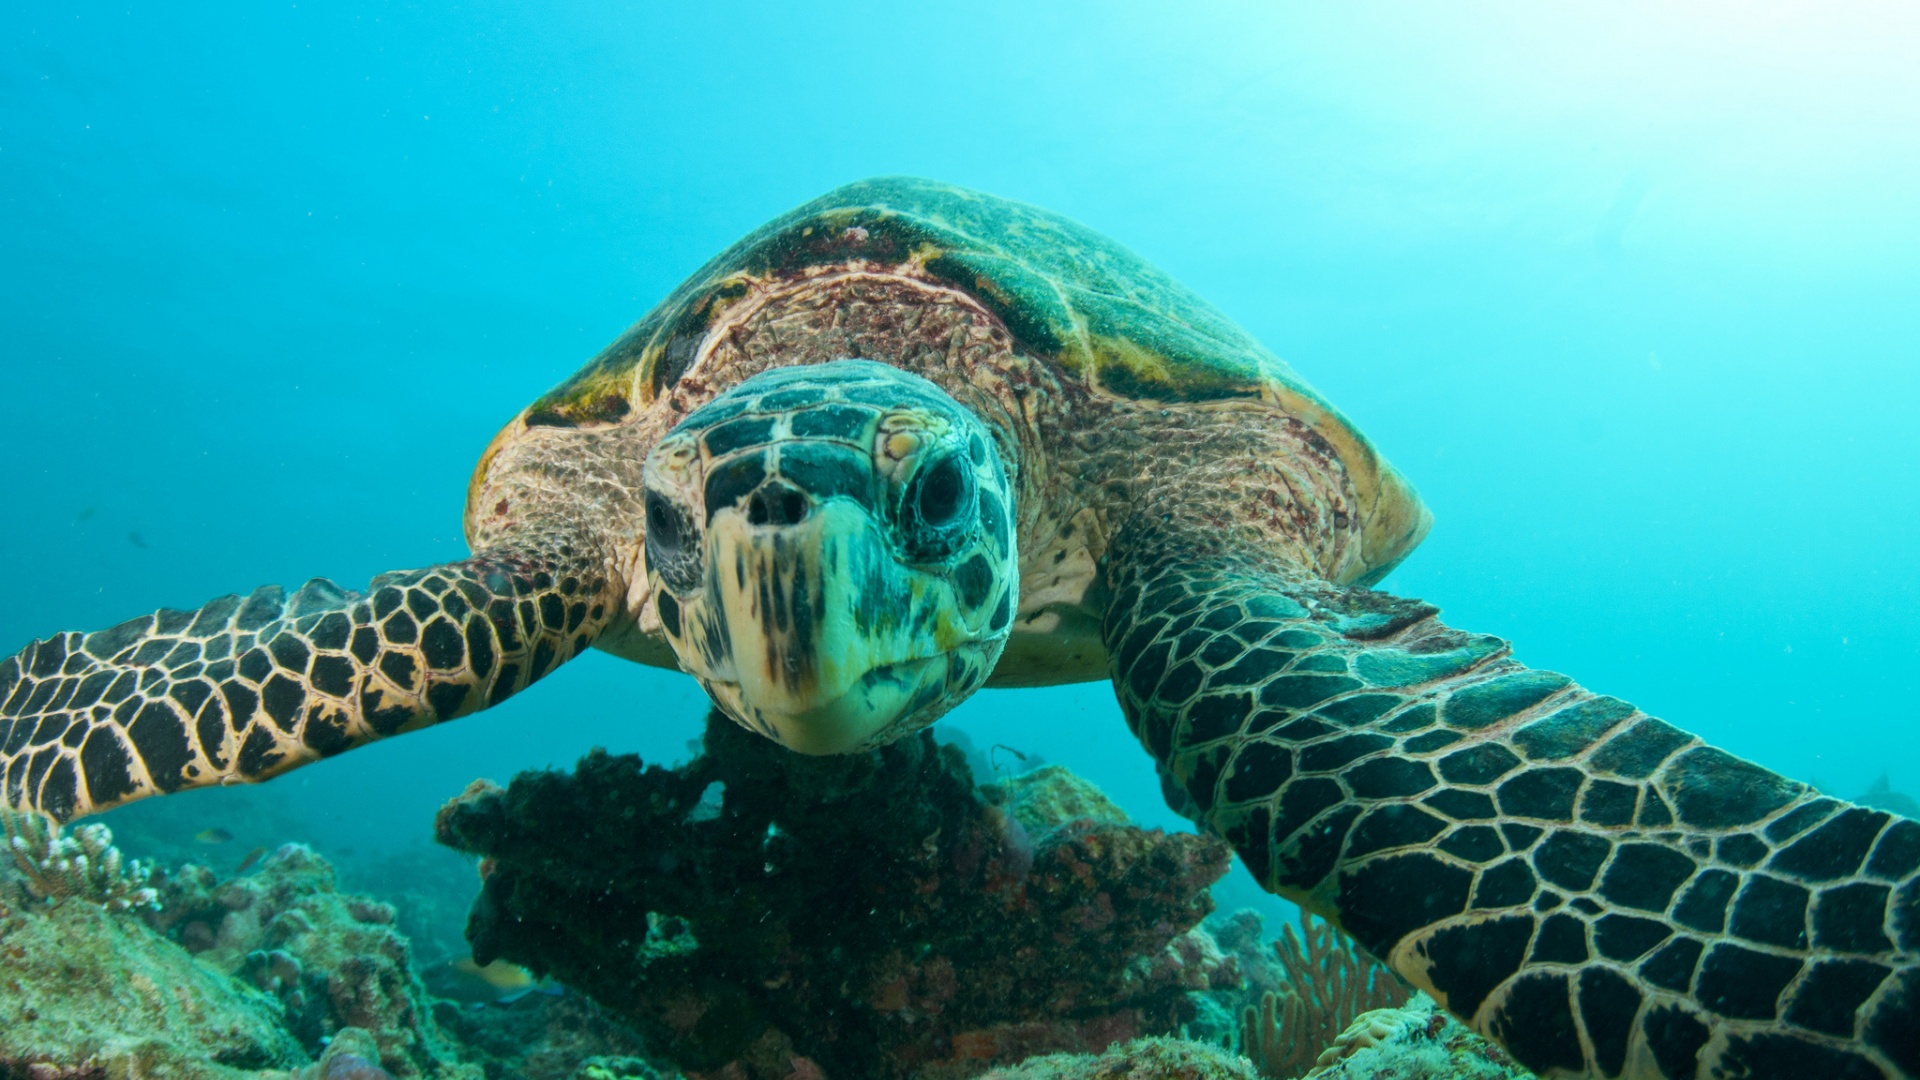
(1627, 292)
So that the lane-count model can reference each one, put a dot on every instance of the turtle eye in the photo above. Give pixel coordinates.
(937, 509)
(673, 544)
(943, 492)
(663, 525)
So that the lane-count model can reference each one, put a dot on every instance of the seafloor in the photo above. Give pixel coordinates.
(748, 915)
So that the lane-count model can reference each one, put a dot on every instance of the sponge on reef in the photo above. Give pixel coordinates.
(758, 913)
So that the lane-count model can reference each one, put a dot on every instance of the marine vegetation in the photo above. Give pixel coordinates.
(869, 915)
(1324, 985)
(909, 440)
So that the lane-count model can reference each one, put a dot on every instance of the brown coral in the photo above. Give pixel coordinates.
(759, 913)
(1326, 984)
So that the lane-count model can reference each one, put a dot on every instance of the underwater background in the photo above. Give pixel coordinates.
(1631, 292)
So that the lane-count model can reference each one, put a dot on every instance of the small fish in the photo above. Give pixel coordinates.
(465, 981)
(253, 856)
(213, 836)
(137, 540)
(86, 514)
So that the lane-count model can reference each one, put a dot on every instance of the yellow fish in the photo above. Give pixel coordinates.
(465, 981)
(213, 836)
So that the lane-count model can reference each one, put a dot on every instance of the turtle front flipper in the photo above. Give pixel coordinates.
(1597, 890)
(248, 687)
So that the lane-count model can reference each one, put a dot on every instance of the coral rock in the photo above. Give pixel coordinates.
(334, 960)
(90, 993)
(1415, 1042)
(1144, 1059)
(763, 915)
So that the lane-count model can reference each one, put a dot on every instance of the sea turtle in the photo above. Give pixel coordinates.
(909, 440)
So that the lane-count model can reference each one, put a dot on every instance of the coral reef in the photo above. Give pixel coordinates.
(84, 866)
(550, 1037)
(1324, 983)
(334, 960)
(1416, 1041)
(754, 914)
(1142, 1059)
(760, 914)
(429, 887)
(90, 990)
(352, 1055)
(251, 979)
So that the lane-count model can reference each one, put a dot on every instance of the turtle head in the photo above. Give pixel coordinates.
(831, 552)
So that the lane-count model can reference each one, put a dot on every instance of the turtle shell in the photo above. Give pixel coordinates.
(1065, 292)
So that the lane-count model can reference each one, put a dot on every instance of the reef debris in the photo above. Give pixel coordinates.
(1322, 984)
(83, 866)
(758, 914)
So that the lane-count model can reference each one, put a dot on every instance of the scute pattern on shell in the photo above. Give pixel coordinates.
(1063, 289)
(1096, 313)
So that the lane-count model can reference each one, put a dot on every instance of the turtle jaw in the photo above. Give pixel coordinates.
(818, 636)
(883, 704)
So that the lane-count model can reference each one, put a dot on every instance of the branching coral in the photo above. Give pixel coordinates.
(1326, 984)
(870, 915)
(84, 866)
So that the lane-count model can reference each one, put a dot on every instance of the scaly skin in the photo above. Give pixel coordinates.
(246, 688)
(1595, 889)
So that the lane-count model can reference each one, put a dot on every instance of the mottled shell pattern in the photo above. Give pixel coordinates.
(1097, 312)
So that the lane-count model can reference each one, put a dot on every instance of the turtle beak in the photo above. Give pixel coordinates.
(812, 632)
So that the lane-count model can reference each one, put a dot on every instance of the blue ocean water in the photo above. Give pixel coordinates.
(1627, 290)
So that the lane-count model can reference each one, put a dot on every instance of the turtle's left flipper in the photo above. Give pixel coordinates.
(1595, 889)
(248, 687)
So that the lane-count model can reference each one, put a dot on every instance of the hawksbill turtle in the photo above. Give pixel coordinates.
(910, 440)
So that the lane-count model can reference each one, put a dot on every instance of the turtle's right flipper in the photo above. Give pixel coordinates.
(1598, 890)
(248, 687)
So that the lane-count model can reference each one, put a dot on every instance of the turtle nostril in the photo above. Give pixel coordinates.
(776, 503)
